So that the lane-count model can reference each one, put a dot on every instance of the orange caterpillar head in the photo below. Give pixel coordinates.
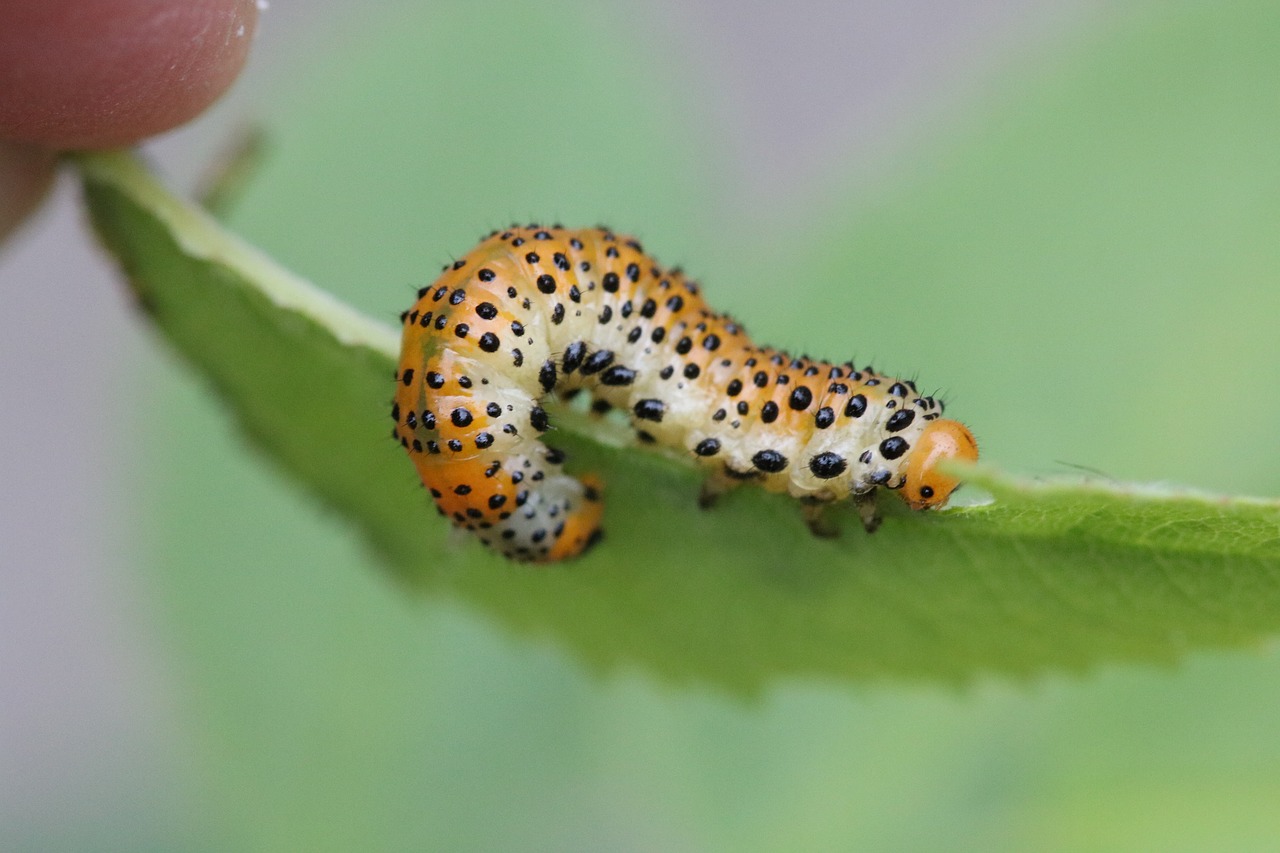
(942, 440)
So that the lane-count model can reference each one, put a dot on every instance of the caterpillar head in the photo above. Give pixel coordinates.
(942, 440)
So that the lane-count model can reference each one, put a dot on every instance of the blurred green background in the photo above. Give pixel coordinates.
(1080, 249)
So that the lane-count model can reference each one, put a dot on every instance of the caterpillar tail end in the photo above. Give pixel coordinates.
(582, 526)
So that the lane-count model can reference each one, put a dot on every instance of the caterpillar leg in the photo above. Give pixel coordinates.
(713, 487)
(865, 502)
(818, 517)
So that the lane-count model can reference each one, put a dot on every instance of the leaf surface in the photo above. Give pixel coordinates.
(1048, 576)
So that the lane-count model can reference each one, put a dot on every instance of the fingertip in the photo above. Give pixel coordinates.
(26, 174)
(106, 74)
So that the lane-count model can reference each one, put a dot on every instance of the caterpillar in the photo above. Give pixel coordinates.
(533, 311)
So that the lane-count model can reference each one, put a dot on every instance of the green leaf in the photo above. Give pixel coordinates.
(1048, 576)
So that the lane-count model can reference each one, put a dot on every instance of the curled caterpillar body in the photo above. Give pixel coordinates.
(532, 311)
